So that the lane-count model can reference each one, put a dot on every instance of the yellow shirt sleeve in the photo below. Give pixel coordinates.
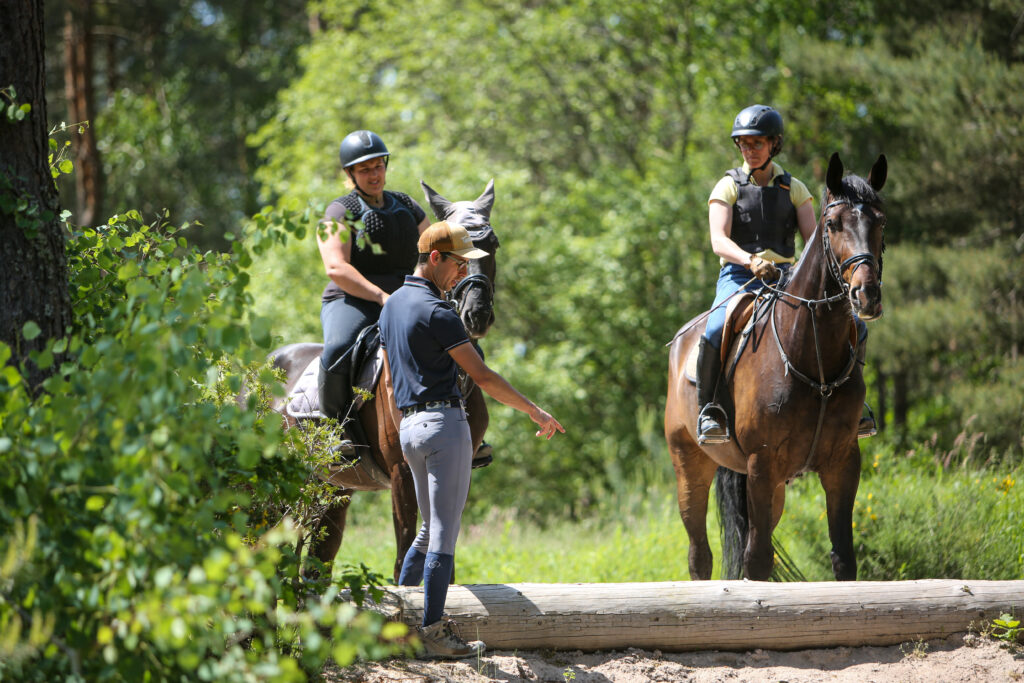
(798, 192)
(725, 191)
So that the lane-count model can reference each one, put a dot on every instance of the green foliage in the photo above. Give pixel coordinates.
(152, 519)
(954, 325)
(13, 111)
(915, 519)
(1007, 629)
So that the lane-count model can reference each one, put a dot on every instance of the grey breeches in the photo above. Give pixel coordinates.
(438, 447)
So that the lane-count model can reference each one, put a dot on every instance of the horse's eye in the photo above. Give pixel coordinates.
(831, 224)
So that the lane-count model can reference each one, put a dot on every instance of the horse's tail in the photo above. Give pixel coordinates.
(731, 496)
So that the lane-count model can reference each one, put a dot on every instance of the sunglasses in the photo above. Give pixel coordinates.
(756, 145)
(460, 262)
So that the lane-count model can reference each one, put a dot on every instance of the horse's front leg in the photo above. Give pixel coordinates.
(840, 484)
(477, 415)
(759, 556)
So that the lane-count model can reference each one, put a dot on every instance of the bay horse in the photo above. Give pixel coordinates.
(473, 298)
(794, 395)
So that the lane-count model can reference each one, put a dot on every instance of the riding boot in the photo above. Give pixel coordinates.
(712, 422)
(334, 388)
(867, 426)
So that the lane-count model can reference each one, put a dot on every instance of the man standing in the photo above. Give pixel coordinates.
(425, 343)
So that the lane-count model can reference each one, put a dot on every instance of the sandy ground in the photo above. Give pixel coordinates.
(956, 659)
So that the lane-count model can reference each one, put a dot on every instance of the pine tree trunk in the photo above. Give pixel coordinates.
(78, 78)
(33, 265)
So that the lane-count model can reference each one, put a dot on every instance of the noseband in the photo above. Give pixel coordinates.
(474, 280)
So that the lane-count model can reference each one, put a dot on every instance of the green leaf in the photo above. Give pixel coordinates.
(30, 331)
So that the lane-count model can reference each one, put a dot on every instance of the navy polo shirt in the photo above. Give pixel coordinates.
(418, 328)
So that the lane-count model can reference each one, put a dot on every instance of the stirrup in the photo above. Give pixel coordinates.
(867, 425)
(718, 431)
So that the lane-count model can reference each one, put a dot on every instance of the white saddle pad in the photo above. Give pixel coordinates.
(304, 399)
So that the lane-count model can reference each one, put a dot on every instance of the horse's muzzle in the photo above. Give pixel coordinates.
(478, 320)
(867, 301)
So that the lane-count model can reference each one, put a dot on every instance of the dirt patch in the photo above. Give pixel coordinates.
(953, 660)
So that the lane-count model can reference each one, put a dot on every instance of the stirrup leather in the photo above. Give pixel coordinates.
(718, 430)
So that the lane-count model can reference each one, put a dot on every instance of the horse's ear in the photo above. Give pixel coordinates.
(834, 175)
(440, 205)
(876, 178)
(485, 201)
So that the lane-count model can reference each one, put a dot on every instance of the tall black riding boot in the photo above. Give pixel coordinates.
(867, 426)
(334, 387)
(712, 422)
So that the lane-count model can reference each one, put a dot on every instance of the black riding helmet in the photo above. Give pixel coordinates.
(362, 145)
(759, 119)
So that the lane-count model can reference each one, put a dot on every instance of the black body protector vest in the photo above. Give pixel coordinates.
(763, 217)
(393, 228)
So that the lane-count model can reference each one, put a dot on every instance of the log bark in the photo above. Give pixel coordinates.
(714, 615)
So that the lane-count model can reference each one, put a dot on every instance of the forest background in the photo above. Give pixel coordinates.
(604, 126)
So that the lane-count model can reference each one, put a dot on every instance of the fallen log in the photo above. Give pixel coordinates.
(714, 615)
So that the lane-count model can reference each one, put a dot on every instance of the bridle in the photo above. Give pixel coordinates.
(837, 269)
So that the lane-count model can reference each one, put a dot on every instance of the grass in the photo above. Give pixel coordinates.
(913, 519)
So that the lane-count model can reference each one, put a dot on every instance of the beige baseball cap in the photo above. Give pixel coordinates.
(448, 237)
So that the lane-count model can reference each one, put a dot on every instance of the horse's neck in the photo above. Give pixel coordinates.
(811, 281)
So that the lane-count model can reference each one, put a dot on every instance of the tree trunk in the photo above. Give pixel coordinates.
(881, 405)
(713, 615)
(33, 265)
(78, 78)
(899, 399)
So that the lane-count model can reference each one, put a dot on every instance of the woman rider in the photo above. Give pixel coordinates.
(754, 212)
(361, 277)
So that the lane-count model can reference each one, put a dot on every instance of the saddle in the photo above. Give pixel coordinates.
(363, 474)
(738, 314)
